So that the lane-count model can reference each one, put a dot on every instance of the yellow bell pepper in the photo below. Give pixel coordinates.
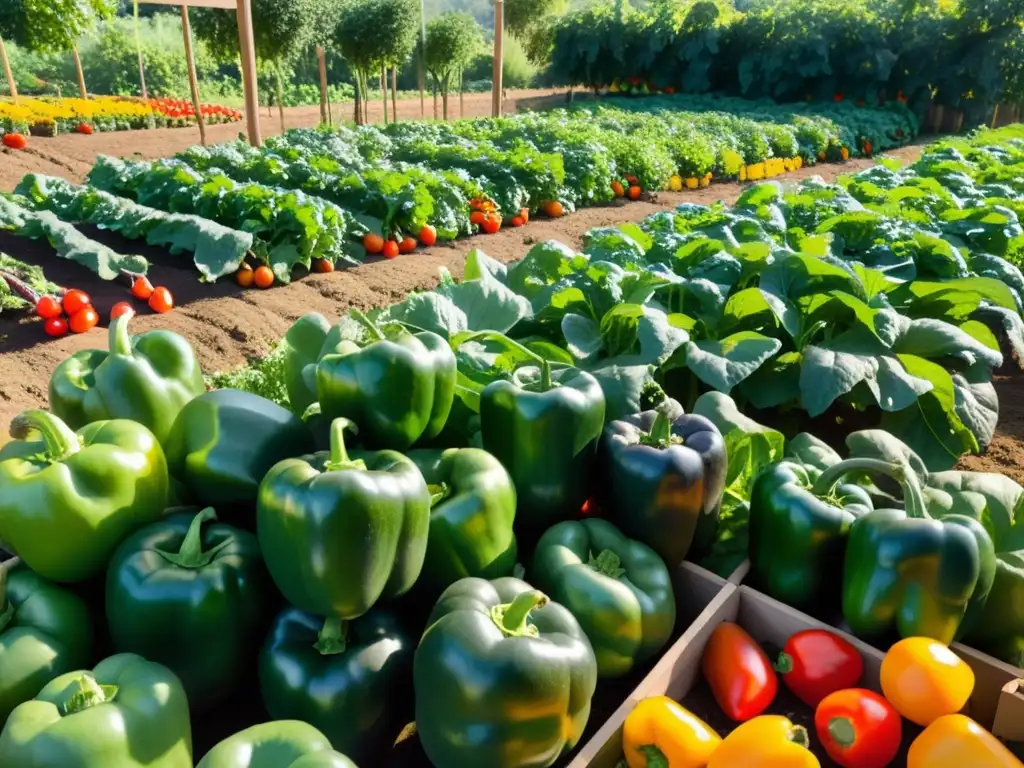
(675, 183)
(691, 182)
(660, 729)
(925, 680)
(956, 741)
(768, 741)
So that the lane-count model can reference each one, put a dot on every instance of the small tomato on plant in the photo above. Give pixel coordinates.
(373, 243)
(408, 245)
(245, 276)
(491, 224)
(390, 249)
(161, 301)
(428, 235)
(121, 308)
(15, 140)
(263, 276)
(75, 301)
(48, 307)
(84, 319)
(56, 327)
(142, 289)
(323, 266)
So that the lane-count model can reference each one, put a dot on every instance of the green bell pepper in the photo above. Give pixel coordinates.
(618, 589)
(397, 390)
(146, 378)
(471, 516)
(301, 348)
(224, 441)
(278, 744)
(125, 713)
(663, 481)
(799, 523)
(502, 677)
(339, 533)
(346, 678)
(907, 572)
(45, 631)
(545, 433)
(192, 597)
(68, 500)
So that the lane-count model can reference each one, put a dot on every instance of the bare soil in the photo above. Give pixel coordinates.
(229, 325)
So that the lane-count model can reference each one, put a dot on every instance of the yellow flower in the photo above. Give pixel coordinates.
(755, 171)
(705, 181)
(691, 182)
(675, 183)
(743, 173)
(798, 162)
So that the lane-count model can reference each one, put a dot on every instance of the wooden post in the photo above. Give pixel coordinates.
(499, 32)
(249, 82)
(78, 70)
(138, 49)
(995, 116)
(462, 101)
(394, 91)
(421, 66)
(193, 81)
(7, 72)
(321, 59)
(384, 93)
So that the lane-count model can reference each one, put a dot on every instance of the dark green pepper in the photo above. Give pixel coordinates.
(905, 571)
(471, 516)
(799, 523)
(68, 500)
(45, 631)
(223, 443)
(346, 678)
(545, 433)
(397, 390)
(301, 347)
(280, 744)
(663, 481)
(339, 533)
(502, 677)
(125, 713)
(192, 597)
(618, 589)
(146, 378)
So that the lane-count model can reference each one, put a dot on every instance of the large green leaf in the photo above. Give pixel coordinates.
(722, 364)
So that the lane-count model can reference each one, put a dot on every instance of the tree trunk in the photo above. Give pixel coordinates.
(138, 48)
(78, 70)
(280, 94)
(435, 98)
(384, 92)
(421, 65)
(394, 96)
(358, 116)
(7, 72)
(444, 96)
(462, 101)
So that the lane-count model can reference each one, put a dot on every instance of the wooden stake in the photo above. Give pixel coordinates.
(394, 97)
(78, 70)
(499, 32)
(193, 81)
(321, 59)
(7, 72)
(462, 102)
(995, 116)
(280, 93)
(247, 46)
(421, 66)
(384, 93)
(138, 49)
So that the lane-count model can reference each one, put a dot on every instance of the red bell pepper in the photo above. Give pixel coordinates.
(816, 662)
(739, 673)
(859, 728)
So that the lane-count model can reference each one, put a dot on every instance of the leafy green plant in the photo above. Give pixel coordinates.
(453, 39)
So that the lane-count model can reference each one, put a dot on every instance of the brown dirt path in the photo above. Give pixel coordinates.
(72, 155)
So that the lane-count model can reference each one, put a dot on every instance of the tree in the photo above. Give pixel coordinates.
(453, 40)
(373, 34)
(53, 25)
(532, 23)
(281, 30)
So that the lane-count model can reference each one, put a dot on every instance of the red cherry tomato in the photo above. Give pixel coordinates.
(56, 327)
(83, 320)
(74, 301)
(122, 308)
(48, 307)
(142, 289)
(859, 728)
(161, 301)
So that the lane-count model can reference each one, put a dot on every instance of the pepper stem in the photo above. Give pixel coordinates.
(439, 493)
(118, 340)
(607, 563)
(799, 736)
(513, 618)
(902, 474)
(333, 637)
(375, 333)
(543, 363)
(545, 375)
(60, 440)
(89, 693)
(191, 554)
(654, 757)
(842, 732)
(784, 664)
(339, 455)
(6, 607)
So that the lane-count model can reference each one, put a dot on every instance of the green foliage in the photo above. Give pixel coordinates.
(264, 376)
(453, 40)
(30, 275)
(374, 33)
(281, 28)
(51, 25)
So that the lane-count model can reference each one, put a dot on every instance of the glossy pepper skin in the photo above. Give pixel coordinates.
(956, 741)
(472, 512)
(125, 713)
(224, 442)
(738, 672)
(799, 523)
(1000, 630)
(344, 678)
(925, 680)
(502, 677)
(45, 631)
(858, 728)
(301, 347)
(278, 744)
(67, 500)
(768, 741)
(546, 435)
(664, 480)
(907, 572)
(618, 589)
(340, 532)
(192, 595)
(146, 378)
(398, 390)
(660, 729)
(815, 663)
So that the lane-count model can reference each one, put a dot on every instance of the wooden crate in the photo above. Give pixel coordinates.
(1009, 717)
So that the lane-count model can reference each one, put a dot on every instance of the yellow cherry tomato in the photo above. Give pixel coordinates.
(659, 723)
(925, 680)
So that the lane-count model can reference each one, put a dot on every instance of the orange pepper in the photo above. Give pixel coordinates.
(658, 727)
(768, 741)
(925, 680)
(956, 741)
